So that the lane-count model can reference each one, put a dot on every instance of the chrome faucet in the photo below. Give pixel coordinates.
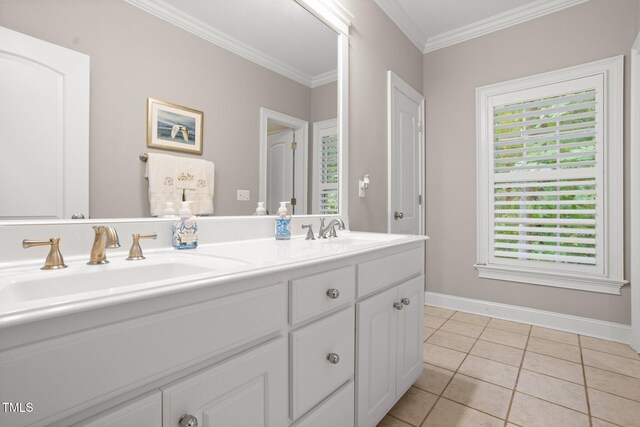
(105, 237)
(330, 229)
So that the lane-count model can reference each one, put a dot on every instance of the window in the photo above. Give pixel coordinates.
(326, 180)
(550, 164)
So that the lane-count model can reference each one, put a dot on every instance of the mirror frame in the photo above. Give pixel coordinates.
(338, 19)
(332, 14)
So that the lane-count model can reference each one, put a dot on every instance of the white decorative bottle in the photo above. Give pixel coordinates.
(185, 231)
(260, 210)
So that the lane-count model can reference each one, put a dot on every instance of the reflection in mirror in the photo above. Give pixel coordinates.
(227, 59)
(284, 147)
(45, 129)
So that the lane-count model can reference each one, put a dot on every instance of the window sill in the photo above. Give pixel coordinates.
(555, 279)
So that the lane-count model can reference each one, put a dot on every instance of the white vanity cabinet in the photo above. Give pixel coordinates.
(333, 343)
(390, 332)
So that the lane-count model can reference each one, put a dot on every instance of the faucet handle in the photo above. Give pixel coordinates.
(310, 235)
(135, 253)
(54, 259)
(333, 233)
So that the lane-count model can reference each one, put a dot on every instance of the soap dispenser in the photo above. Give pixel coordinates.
(185, 231)
(283, 222)
(260, 210)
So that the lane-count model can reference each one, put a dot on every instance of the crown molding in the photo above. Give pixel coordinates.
(331, 12)
(187, 22)
(497, 22)
(324, 78)
(402, 19)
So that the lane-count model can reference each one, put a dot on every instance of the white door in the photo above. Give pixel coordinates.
(249, 390)
(410, 333)
(279, 169)
(376, 367)
(406, 141)
(44, 117)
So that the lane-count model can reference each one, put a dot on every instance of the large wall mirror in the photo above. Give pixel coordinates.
(269, 77)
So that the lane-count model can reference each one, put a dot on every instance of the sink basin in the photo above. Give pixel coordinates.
(109, 278)
(267, 252)
(353, 239)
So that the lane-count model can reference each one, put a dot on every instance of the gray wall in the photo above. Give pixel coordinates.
(376, 46)
(135, 55)
(593, 30)
(324, 102)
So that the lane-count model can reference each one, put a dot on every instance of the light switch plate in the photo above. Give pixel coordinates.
(244, 195)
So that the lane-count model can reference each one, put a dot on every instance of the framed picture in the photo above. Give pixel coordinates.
(174, 127)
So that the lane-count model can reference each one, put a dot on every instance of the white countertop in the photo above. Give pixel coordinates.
(28, 293)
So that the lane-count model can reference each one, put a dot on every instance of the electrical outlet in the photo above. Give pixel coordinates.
(244, 195)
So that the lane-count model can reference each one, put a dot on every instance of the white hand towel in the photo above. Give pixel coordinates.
(161, 172)
(199, 190)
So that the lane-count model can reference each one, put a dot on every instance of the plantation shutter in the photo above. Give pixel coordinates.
(328, 179)
(546, 176)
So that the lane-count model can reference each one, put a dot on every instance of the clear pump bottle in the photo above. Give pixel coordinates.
(283, 222)
(185, 231)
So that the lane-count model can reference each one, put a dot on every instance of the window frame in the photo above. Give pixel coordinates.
(610, 278)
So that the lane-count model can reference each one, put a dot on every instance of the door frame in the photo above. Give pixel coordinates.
(301, 128)
(635, 194)
(395, 82)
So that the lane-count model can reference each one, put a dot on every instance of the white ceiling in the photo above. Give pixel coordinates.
(434, 24)
(278, 34)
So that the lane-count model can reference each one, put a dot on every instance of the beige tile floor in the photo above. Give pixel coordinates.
(481, 371)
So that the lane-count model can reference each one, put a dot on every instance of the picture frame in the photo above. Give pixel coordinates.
(174, 127)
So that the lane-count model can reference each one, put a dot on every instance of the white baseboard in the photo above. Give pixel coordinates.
(548, 319)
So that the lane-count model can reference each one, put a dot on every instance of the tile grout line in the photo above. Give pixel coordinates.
(529, 335)
(586, 386)
(456, 371)
(515, 386)
(448, 382)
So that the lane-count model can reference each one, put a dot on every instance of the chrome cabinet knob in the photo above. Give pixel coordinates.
(397, 305)
(405, 301)
(188, 420)
(333, 358)
(333, 293)
(398, 216)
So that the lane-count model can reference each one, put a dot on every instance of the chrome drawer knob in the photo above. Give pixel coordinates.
(398, 216)
(333, 358)
(405, 301)
(333, 293)
(188, 420)
(397, 305)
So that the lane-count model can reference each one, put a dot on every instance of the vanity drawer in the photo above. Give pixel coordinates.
(378, 273)
(337, 411)
(314, 295)
(313, 375)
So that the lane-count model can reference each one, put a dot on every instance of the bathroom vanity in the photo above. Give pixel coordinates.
(242, 333)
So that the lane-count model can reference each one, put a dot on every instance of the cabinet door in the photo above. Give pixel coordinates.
(249, 390)
(410, 333)
(376, 367)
